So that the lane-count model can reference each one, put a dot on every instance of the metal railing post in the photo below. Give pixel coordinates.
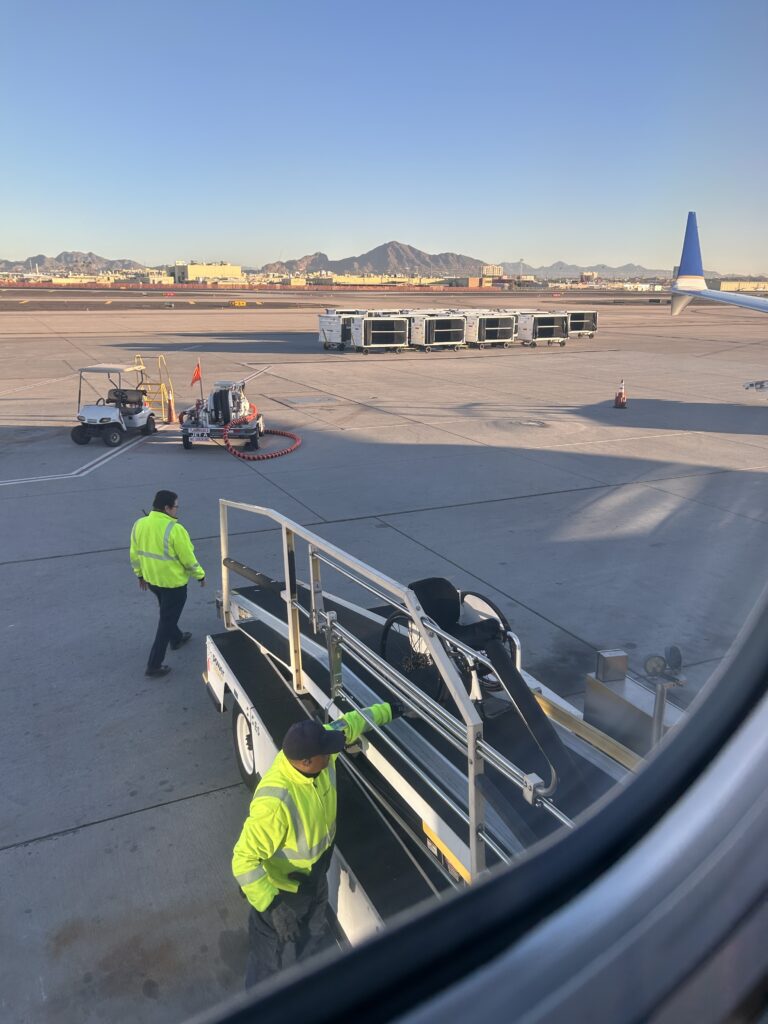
(292, 604)
(225, 588)
(316, 591)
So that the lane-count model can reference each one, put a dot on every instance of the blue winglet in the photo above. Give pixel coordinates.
(690, 261)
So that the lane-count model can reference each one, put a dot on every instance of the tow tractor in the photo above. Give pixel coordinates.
(116, 412)
(226, 413)
(487, 762)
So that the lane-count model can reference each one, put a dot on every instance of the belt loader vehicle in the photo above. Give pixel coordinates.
(484, 767)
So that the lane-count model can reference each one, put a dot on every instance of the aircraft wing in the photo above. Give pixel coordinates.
(690, 284)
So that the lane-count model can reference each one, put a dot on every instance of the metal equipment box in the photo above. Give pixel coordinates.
(490, 327)
(535, 327)
(582, 323)
(442, 329)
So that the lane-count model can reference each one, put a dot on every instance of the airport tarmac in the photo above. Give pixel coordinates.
(510, 472)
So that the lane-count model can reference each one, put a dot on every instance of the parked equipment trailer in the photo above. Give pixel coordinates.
(537, 327)
(490, 327)
(431, 329)
(477, 774)
(582, 323)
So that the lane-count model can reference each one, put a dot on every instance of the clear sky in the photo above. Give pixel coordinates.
(255, 130)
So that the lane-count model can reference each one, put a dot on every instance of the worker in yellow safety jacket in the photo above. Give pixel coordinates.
(163, 559)
(282, 856)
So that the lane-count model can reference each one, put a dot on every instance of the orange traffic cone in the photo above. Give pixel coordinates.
(620, 401)
(171, 417)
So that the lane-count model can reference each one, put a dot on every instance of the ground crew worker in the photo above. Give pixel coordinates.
(163, 559)
(282, 856)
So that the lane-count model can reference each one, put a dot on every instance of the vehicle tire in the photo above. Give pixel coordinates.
(326, 345)
(112, 437)
(252, 444)
(149, 427)
(532, 344)
(342, 346)
(562, 344)
(481, 346)
(186, 441)
(243, 739)
(507, 345)
(80, 434)
(427, 348)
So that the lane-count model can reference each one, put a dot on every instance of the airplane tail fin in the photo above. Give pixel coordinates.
(690, 273)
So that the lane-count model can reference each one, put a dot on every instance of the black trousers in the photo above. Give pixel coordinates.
(171, 601)
(267, 954)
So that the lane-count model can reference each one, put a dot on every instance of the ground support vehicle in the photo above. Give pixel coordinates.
(536, 327)
(489, 328)
(121, 406)
(365, 330)
(225, 414)
(484, 767)
(582, 323)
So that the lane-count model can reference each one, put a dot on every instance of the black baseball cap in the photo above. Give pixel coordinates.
(308, 739)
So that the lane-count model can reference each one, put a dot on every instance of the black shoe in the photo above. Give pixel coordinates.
(184, 638)
(162, 671)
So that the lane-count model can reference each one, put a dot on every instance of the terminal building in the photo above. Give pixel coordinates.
(206, 273)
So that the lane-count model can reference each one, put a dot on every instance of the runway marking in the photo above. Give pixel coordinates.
(37, 384)
(85, 470)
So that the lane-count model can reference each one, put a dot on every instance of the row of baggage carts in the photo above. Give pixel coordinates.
(382, 330)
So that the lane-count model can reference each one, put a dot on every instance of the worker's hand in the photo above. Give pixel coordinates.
(284, 921)
(202, 582)
(399, 710)
(143, 585)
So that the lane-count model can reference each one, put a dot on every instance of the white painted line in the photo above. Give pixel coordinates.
(38, 384)
(85, 470)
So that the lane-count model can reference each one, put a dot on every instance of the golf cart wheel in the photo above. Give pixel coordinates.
(80, 434)
(149, 427)
(244, 742)
(186, 441)
(112, 436)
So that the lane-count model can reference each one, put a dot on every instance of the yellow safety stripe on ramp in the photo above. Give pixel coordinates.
(598, 739)
(450, 857)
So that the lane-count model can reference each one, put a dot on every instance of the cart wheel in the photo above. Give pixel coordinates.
(532, 344)
(366, 351)
(427, 348)
(243, 738)
(562, 343)
(591, 335)
(80, 434)
(506, 345)
(149, 427)
(342, 346)
(326, 345)
(186, 441)
(481, 346)
(112, 436)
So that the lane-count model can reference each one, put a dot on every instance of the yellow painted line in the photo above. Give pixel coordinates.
(108, 302)
(623, 755)
(23, 302)
(452, 859)
(192, 302)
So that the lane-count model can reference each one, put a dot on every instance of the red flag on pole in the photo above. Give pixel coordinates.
(196, 375)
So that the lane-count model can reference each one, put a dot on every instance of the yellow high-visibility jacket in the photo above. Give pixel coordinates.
(161, 551)
(292, 819)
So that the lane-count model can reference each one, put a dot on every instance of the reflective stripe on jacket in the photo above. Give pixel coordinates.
(292, 819)
(161, 551)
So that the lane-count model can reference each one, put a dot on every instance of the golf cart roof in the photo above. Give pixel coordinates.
(109, 368)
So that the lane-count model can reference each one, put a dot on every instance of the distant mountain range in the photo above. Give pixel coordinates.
(399, 258)
(72, 262)
(390, 258)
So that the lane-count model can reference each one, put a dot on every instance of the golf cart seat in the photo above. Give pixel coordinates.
(442, 602)
(126, 397)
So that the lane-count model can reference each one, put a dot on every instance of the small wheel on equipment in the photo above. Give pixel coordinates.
(112, 436)
(80, 434)
(562, 343)
(326, 345)
(427, 348)
(243, 738)
(186, 441)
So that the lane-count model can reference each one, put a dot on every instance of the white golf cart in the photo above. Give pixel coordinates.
(122, 408)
